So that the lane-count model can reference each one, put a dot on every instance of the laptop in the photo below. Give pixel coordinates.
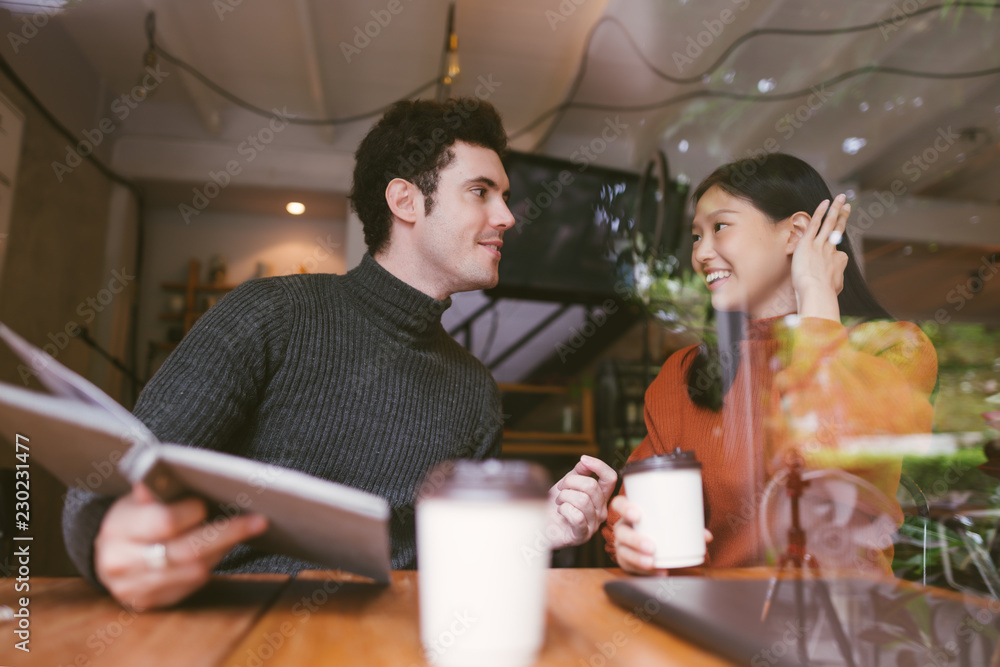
(858, 622)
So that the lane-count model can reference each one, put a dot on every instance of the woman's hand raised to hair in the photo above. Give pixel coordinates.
(817, 265)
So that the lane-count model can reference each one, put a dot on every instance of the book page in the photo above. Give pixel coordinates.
(61, 381)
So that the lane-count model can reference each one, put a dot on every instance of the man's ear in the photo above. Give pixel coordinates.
(403, 199)
(797, 224)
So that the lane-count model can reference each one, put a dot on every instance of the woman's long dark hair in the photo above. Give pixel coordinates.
(777, 185)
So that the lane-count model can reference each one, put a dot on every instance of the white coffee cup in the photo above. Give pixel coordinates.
(668, 491)
(482, 555)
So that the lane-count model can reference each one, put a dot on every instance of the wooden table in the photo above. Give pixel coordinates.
(312, 619)
(318, 618)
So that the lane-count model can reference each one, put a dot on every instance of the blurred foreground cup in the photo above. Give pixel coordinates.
(482, 556)
(668, 491)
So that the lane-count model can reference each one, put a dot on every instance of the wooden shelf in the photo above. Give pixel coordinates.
(191, 311)
(541, 448)
(552, 442)
(191, 289)
(546, 435)
(180, 317)
(515, 388)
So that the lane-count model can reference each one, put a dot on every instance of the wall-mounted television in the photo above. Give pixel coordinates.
(572, 220)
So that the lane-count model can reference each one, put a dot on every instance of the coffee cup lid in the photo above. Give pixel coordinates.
(491, 479)
(675, 460)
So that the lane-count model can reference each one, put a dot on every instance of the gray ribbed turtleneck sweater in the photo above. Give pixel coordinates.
(349, 378)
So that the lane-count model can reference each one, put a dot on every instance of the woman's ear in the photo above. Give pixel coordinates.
(797, 225)
(402, 197)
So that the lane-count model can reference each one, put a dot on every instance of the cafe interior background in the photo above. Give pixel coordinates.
(150, 152)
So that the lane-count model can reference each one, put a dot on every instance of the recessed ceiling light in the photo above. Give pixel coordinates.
(295, 207)
(765, 85)
(852, 145)
(863, 106)
(683, 146)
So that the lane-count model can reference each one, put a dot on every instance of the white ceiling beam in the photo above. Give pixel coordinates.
(170, 37)
(313, 73)
(192, 160)
(953, 139)
(885, 215)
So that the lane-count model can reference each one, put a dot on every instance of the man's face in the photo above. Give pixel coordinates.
(459, 241)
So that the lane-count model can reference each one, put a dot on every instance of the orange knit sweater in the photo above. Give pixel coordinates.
(811, 386)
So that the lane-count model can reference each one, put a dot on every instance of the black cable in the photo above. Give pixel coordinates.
(270, 114)
(582, 68)
(9, 72)
(574, 87)
(240, 102)
(112, 175)
(84, 335)
(694, 94)
(799, 32)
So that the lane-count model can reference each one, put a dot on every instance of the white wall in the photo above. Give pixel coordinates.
(285, 243)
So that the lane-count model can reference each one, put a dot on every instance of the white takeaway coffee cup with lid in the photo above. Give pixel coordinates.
(482, 555)
(668, 491)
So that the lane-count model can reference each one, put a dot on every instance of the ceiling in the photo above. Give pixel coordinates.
(251, 200)
(617, 63)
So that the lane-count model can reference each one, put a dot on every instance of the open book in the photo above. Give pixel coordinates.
(87, 440)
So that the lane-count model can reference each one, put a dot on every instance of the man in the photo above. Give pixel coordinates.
(350, 378)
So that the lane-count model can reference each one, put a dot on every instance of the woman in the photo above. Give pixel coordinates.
(769, 243)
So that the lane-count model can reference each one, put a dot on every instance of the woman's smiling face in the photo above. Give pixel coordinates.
(744, 257)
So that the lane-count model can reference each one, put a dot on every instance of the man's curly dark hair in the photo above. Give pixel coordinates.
(413, 141)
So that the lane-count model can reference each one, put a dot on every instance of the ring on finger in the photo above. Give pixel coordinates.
(836, 236)
(155, 555)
